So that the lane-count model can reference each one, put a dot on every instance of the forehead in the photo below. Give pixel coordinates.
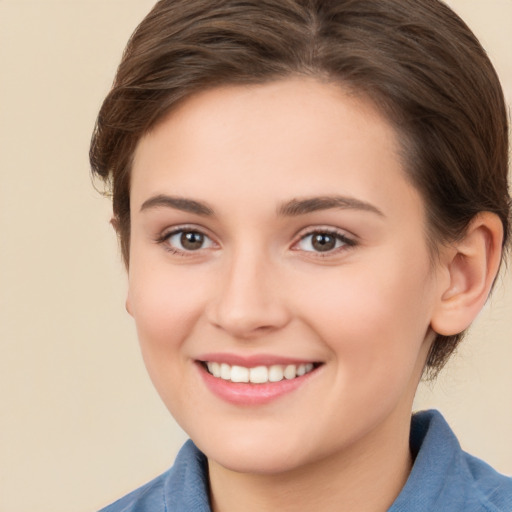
(282, 139)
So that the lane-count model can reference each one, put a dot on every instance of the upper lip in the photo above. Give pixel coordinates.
(251, 361)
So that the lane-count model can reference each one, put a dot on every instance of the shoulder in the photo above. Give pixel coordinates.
(490, 487)
(183, 488)
(148, 497)
(444, 477)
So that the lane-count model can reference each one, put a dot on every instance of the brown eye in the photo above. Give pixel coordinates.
(323, 242)
(184, 240)
(191, 240)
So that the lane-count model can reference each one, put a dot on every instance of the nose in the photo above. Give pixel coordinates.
(250, 298)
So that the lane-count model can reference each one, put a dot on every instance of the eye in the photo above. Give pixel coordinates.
(323, 241)
(187, 240)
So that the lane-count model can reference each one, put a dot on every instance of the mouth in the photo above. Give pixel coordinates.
(258, 374)
(257, 379)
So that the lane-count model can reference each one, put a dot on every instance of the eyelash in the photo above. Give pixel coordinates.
(166, 235)
(346, 241)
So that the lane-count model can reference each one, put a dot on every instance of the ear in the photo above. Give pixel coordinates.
(127, 305)
(114, 222)
(470, 266)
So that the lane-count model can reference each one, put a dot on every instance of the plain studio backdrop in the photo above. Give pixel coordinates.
(80, 423)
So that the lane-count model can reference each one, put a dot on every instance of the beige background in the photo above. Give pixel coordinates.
(80, 424)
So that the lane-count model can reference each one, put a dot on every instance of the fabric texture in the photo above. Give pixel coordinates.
(443, 478)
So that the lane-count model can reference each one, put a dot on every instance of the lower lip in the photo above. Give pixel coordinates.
(251, 394)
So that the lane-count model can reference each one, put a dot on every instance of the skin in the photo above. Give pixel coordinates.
(258, 286)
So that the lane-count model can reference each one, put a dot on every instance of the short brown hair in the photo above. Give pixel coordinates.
(416, 60)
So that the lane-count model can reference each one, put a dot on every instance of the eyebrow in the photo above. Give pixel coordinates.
(292, 208)
(178, 203)
(312, 204)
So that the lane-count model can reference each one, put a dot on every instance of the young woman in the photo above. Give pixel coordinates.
(311, 200)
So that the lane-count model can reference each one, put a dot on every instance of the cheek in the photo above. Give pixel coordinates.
(165, 304)
(370, 314)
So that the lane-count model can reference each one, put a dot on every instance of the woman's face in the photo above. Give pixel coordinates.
(275, 238)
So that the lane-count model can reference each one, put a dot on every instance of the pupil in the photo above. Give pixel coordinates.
(324, 242)
(191, 240)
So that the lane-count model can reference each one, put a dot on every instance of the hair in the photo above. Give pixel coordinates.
(415, 60)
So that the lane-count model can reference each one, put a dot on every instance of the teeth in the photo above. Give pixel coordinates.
(258, 374)
(225, 371)
(239, 374)
(290, 372)
(275, 373)
(214, 369)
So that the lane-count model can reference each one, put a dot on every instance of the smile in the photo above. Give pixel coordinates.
(254, 380)
(257, 374)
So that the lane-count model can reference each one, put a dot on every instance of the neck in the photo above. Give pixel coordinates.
(367, 477)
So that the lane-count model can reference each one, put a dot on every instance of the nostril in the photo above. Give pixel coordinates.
(248, 301)
(244, 321)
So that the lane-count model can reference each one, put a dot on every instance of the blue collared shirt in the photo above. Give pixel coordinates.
(443, 478)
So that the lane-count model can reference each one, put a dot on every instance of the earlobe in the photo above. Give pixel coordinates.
(114, 222)
(127, 305)
(471, 264)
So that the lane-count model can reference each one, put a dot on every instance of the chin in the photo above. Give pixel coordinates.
(256, 451)
(256, 462)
